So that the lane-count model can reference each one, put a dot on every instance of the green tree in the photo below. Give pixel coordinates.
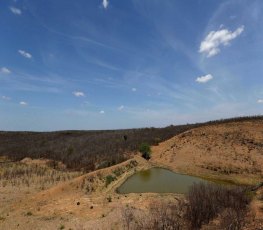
(145, 150)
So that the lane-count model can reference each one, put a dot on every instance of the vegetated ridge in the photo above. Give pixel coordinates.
(91, 150)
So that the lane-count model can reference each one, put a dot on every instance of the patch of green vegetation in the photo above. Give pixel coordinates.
(250, 194)
(61, 227)
(118, 172)
(224, 181)
(145, 150)
(109, 179)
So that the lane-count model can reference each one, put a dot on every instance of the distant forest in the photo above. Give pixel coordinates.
(90, 150)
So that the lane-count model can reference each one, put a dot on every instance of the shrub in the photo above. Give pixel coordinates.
(161, 215)
(145, 150)
(109, 179)
(232, 219)
(61, 227)
(206, 201)
(260, 196)
(29, 213)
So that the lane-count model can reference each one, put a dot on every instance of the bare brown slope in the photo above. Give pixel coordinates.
(232, 151)
(84, 201)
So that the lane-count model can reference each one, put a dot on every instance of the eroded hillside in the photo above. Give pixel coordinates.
(231, 151)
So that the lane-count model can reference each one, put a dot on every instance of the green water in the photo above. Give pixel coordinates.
(158, 180)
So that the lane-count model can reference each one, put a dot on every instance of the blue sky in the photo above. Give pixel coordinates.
(110, 64)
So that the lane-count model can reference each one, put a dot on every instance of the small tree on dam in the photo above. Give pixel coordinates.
(145, 150)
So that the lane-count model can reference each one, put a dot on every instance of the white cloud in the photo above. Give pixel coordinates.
(23, 103)
(78, 94)
(204, 79)
(5, 70)
(210, 45)
(102, 112)
(6, 98)
(260, 101)
(15, 10)
(25, 54)
(134, 89)
(120, 108)
(105, 4)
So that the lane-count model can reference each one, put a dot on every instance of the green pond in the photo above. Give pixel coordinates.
(158, 180)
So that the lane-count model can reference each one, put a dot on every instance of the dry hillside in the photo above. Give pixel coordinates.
(231, 151)
(36, 194)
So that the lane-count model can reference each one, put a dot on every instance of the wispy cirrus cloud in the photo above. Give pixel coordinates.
(25, 54)
(134, 89)
(48, 83)
(204, 79)
(260, 101)
(210, 46)
(15, 10)
(5, 70)
(78, 94)
(105, 4)
(102, 112)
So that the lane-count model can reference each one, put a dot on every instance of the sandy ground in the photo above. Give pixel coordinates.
(231, 152)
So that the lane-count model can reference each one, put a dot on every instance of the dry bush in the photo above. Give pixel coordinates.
(90, 150)
(161, 215)
(232, 219)
(33, 175)
(260, 195)
(206, 201)
(86, 150)
(168, 216)
(128, 217)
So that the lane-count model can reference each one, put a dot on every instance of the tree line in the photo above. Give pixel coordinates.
(89, 150)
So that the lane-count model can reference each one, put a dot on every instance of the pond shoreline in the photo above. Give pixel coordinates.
(150, 164)
(157, 180)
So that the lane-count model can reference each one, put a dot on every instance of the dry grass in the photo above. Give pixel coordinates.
(37, 176)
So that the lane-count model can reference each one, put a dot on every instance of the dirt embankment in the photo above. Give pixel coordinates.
(232, 152)
(88, 201)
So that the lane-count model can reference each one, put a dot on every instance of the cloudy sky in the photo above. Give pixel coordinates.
(121, 64)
